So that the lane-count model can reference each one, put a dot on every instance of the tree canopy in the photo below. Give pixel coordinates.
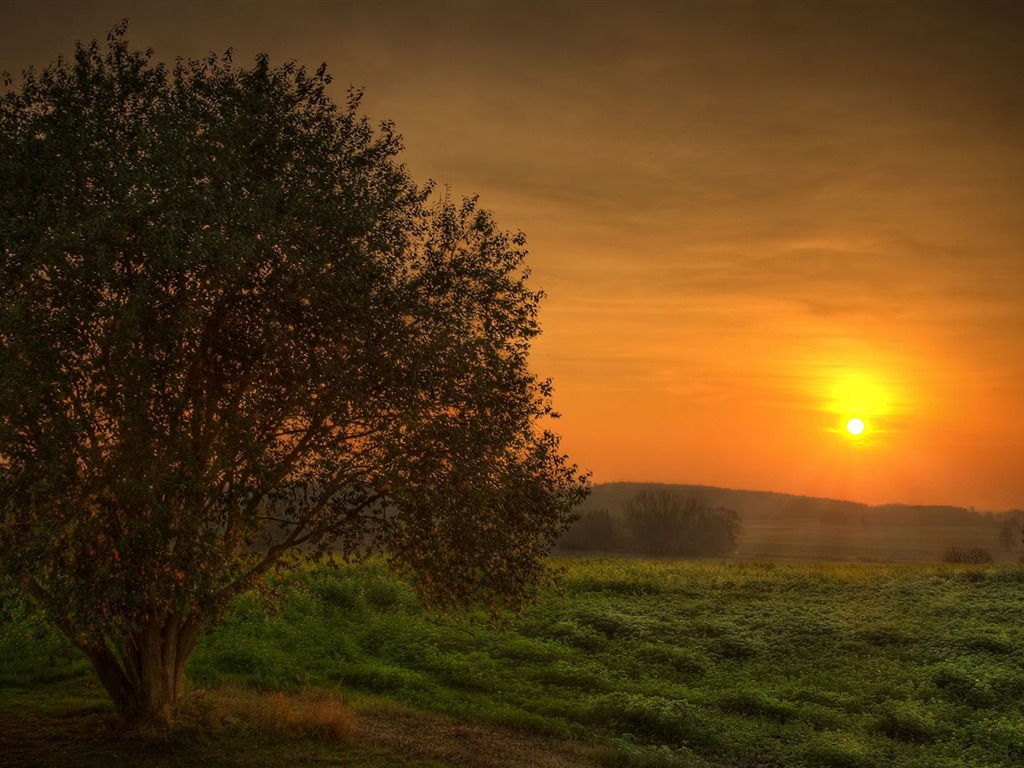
(232, 327)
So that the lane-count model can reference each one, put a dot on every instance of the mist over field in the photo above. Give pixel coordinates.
(785, 527)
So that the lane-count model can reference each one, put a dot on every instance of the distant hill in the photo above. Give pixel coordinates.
(784, 526)
(770, 505)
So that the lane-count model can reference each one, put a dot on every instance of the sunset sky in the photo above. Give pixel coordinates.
(753, 221)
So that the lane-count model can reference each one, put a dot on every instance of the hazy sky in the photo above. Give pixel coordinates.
(753, 221)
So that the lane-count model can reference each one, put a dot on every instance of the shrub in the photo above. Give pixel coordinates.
(970, 556)
(345, 595)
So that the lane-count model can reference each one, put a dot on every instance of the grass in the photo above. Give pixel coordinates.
(654, 663)
(71, 725)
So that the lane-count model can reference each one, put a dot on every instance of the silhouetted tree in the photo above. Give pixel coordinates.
(232, 327)
(666, 523)
(713, 532)
(596, 530)
(656, 521)
(1011, 532)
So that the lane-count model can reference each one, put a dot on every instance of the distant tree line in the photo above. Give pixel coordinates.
(659, 523)
(768, 506)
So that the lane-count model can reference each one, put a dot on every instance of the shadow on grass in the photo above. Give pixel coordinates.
(71, 724)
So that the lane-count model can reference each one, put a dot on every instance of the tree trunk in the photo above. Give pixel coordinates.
(144, 673)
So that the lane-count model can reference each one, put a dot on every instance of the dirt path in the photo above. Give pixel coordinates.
(468, 745)
(58, 731)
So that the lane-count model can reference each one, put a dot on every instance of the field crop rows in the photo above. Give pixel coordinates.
(694, 663)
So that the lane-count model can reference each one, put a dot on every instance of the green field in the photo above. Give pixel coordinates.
(631, 663)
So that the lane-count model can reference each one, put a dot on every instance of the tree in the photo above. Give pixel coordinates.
(596, 530)
(232, 330)
(1011, 532)
(656, 521)
(666, 523)
(713, 531)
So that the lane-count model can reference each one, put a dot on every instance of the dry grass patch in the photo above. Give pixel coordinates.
(315, 714)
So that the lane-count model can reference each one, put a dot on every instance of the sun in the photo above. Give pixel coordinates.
(859, 404)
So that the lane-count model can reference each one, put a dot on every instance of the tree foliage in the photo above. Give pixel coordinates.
(231, 328)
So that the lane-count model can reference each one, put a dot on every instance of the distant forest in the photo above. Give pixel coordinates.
(661, 522)
(695, 520)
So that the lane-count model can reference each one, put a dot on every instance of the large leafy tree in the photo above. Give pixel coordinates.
(233, 328)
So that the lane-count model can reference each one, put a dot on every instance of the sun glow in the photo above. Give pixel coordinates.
(859, 401)
(860, 393)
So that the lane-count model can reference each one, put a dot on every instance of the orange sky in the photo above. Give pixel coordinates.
(753, 220)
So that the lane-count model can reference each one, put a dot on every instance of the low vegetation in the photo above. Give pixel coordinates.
(654, 663)
(970, 555)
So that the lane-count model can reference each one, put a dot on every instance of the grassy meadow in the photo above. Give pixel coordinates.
(630, 663)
